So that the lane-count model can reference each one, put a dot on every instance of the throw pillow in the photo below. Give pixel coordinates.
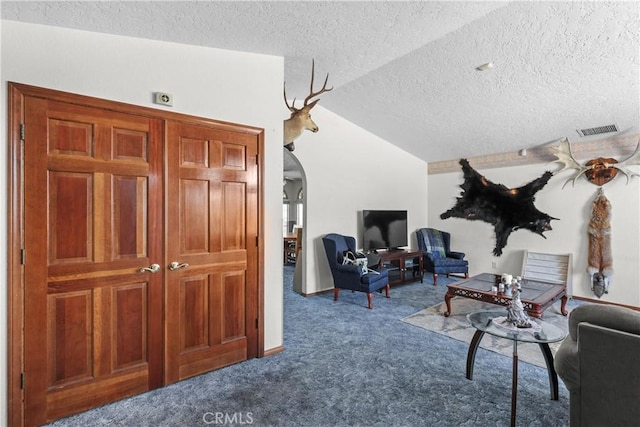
(348, 257)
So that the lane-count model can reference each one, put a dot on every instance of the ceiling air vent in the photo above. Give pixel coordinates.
(597, 131)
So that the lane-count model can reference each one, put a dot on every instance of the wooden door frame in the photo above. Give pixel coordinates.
(15, 219)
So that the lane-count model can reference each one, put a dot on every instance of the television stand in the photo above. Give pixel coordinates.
(404, 265)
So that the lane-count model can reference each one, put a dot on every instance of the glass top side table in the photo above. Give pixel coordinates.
(544, 334)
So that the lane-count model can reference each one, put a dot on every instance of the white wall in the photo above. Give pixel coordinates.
(572, 205)
(348, 170)
(230, 86)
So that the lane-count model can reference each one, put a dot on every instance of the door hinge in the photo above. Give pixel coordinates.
(21, 131)
(257, 241)
(257, 159)
(257, 324)
(22, 381)
(23, 257)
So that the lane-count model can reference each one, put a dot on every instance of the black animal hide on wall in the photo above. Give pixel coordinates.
(508, 209)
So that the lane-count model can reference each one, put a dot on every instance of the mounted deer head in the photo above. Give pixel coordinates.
(301, 118)
(597, 171)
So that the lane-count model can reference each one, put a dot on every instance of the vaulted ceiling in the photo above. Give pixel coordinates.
(406, 71)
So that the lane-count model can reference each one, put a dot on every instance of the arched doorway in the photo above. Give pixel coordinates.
(294, 211)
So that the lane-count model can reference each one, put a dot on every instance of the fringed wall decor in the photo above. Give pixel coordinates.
(600, 259)
(507, 209)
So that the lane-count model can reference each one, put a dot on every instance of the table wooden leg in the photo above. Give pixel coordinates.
(447, 300)
(563, 305)
(514, 384)
(471, 355)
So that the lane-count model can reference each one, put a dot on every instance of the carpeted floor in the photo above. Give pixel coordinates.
(458, 327)
(345, 365)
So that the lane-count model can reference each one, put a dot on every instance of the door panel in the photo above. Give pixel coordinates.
(93, 322)
(70, 217)
(212, 183)
(69, 340)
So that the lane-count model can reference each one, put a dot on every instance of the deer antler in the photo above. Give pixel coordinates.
(291, 107)
(565, 157)
(633, 159)
(311, 92)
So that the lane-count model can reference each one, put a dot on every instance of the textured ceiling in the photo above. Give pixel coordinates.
(405, 71)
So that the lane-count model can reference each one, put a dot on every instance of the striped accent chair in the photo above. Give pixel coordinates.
(437, 254)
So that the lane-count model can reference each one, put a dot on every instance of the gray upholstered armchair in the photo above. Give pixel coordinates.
(599, 362)
(350, 276)
(437, 254)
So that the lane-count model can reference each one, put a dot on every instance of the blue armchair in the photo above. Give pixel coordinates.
(351, 276)
(437, 255)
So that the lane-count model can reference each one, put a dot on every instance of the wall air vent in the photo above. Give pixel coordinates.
(597, 131)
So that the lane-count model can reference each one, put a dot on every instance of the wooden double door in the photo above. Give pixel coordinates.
(138, 250)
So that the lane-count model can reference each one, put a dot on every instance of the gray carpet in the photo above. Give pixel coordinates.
(345, 365)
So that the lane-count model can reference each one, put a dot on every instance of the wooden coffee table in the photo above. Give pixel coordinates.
(536, 296)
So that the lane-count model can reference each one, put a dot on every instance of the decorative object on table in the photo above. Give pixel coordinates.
(301, 117)
(505, 282)
(597, 171)
(507, 209)
(507, 291)
(600, 259)
(515, 309)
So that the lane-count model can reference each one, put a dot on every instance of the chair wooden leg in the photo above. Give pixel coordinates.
(435, 279)
(466, 275)
(370, 299)
(386, 289)
(336, 291)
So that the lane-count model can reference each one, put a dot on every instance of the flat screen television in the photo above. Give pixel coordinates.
(384, 230)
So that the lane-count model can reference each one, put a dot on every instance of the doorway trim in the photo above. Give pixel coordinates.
(15, 220)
